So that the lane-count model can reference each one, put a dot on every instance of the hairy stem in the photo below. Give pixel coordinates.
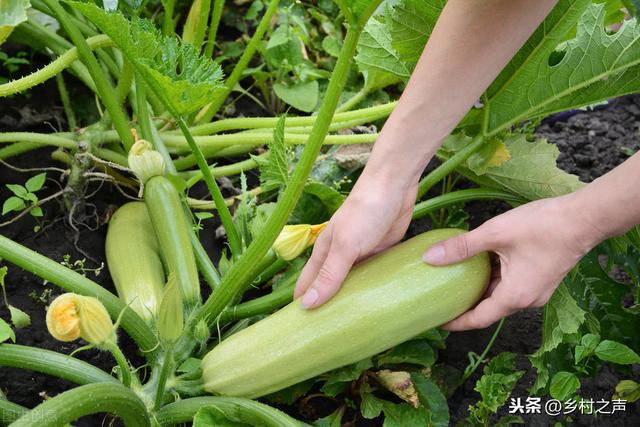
(216, 15)
(423, 208)
(86, 400)
(39, 138)
(72, 122)
(52, 363)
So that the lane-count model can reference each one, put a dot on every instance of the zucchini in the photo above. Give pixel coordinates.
(384, 301)
(171, 227)
(133, 259)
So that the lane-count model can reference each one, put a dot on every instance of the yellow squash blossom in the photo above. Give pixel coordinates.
(144, 161)
(72, 316)
(294, 239)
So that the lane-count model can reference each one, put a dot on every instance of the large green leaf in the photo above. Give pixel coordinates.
(175, 71)
(595, 66)
(529, 170)
(12, 14)
(392, 43)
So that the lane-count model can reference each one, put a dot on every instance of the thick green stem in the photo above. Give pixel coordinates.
(207, 113)
(167, 21)
(71, 281)
(86, 400)
(9, 412)
(123, 364)
(124, 84)
(165, 372)
(72, 122)
(195, 27)
(39, 138)
(216, 194)
(249, 411)
(354, 100)
(449, 165)
(105, 90)
(51, 363)
(18, 148)
(226, 170)
(261, 305)
(216, 15)
(423, 208)
(205, 266)
(243, 271)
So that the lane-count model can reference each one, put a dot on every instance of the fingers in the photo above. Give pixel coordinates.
(487, 312)
(326, 270)
(311, 268)
(459, 248)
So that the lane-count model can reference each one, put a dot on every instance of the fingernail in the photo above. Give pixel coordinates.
(434, 254)
(309, 298)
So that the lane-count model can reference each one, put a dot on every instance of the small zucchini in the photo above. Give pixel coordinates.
(133, 258)
(384, 301)
(170, 225)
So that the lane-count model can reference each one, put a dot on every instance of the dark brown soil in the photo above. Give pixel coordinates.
(591, 143)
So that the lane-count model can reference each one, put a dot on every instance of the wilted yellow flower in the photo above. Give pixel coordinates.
(294, 239)
(144, 161)
(72, 316)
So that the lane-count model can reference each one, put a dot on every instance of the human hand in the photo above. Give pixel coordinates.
(374, 216)
(537, 244)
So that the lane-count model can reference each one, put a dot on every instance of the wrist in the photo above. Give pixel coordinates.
(585, 217)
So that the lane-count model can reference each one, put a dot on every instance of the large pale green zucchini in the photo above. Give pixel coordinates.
(384, 301)
(168, 219)
(133, 258)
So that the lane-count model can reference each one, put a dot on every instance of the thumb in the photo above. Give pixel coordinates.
(458, 248)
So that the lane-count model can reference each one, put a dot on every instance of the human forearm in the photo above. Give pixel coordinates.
(610, 205)
(471, 43)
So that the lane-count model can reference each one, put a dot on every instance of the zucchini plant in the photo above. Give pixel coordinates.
(162, 131)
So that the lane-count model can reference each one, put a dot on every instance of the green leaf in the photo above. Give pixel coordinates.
(12, 14)
(175, 71)
(594, 66)
(17, 189)
(587, 346)
(628, 390)
(289, 395)
(331, 420)
(612, 351)
(403, 415)
(36, 182)
(302, 96)
(19, 318)
(170, 313)
(331, 198)
(274, 169)
(211, 416)
(376, 57)
(13, 203)
(417, 352)
(358, 12)
(36, 212)
(370, 406)
(190, 366)
(564, 385)
(6, 332)
(337, 380)
(562, 318)
(432, 398)
(530, 170)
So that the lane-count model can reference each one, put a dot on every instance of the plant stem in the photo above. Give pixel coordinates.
(472, 368)
(216, 15)
(423, 208)
(198, 13)
(123, 364)
(40, 138)
(225, 216)
(449, 165)
(167, 22)
(215, 142)
(249, 411)
(86, 400)
(124, 83)
(226, 170)
(354, 100)
(52, 363)
(18, 148)
(261, 305)
(166, 370)
(9, 412)
(207, 113)
(105, 90)
(243, 271)
(71, 281)
(66, 102)
(364, 115)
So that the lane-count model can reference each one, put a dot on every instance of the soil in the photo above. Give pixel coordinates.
(591, 143)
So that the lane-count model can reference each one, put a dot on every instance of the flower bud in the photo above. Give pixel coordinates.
(144, 161)
(294, 239)
(170, 315)
(71, 316)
